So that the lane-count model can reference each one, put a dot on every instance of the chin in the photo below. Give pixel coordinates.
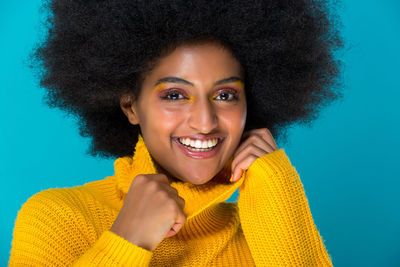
(198, 180)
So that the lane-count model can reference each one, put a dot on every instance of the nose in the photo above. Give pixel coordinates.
(203, 116)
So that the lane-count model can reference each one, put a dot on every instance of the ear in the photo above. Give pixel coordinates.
(128, 106)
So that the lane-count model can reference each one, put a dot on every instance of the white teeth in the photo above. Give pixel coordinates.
(198, 143)
(210, 143)
(192, 143)
(204, 144)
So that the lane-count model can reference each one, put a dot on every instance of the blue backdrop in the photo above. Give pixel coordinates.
(346, 160)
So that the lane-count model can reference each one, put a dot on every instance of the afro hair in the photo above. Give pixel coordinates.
(94, 51)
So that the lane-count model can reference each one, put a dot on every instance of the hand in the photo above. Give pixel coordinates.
(255, 143)
(152, 211)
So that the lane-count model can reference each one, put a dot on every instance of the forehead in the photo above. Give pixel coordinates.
(197, 62)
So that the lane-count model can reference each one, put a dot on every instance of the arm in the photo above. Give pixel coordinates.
(50, 231)
(275, 215)
(112, 250)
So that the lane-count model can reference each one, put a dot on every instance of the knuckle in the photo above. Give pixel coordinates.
(162, 195)
(154, 187)
(253, 137)
(251, 147)
(165, 177)
(252, 158)
(140, 178)
(267, 132)
(174, 190)
(172, 206)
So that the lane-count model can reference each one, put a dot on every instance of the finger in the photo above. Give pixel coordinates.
(179, 222)
(243, 166)
(159, 177)
(265, 133)
(181, 202)
(177, 226)
(173, 192)
(258, 141)
(249, 150)
(269, 138)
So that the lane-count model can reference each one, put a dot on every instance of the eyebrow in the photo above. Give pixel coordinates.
(173, 79)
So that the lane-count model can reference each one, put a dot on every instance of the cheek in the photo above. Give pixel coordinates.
(163, 119)
(234, 122)
(233, 119)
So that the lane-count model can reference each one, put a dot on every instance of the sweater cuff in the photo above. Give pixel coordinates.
(122, 251)
(273, 164)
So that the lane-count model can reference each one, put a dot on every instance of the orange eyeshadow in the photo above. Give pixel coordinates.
(239, 83)
(191, 99)
(159, 87)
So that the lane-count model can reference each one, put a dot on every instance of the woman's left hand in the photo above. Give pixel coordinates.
(257, 143)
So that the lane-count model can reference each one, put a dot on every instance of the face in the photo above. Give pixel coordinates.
(193, 98)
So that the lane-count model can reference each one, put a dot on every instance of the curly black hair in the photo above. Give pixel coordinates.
(95, 51)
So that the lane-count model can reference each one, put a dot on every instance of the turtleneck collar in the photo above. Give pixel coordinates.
(197, 197)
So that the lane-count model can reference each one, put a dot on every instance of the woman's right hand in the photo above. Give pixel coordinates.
(152, 211)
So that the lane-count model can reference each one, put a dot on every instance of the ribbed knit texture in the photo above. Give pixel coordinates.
(270, 224)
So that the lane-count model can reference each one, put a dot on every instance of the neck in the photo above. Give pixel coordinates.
(170, 177)
(220, 177)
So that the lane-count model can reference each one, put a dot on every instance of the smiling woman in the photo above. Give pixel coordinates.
(188, 96)
(194, 95)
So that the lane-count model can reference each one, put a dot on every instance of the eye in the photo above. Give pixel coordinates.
(227, 95)
(173, 95)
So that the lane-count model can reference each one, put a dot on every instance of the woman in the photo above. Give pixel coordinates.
(188, 95)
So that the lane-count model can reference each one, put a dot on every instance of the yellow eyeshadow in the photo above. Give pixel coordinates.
(159, 87)
(163, 86)
(239, 83)
(191, 99)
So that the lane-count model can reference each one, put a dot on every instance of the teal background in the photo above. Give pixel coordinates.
(347, 160)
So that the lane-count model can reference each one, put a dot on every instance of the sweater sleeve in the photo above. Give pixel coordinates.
(49, 231)
(275, 215)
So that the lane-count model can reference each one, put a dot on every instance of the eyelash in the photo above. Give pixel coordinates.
(174, 91)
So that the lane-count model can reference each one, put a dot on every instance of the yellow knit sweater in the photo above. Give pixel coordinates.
(270, 224)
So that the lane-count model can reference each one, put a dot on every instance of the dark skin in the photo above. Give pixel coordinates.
(207, 99)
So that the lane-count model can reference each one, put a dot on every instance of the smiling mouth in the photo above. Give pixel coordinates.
(196, 149)
(197, 152)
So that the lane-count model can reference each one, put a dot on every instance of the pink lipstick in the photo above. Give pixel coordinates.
(199, 154)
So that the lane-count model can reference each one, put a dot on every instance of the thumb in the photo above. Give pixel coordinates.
(177, 226)
(237, 174)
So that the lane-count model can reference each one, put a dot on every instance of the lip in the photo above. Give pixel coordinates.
(202, 137)
(199, 154)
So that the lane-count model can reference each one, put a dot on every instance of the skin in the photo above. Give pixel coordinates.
(200, 108)
(152, 209)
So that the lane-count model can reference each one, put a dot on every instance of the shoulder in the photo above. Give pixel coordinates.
(73, 198)
(79, 204)
(65, 195)
(51, 203)
(58, 213)
(53, 221)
